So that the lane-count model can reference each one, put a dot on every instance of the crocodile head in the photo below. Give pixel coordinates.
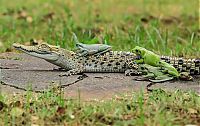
(43, 50)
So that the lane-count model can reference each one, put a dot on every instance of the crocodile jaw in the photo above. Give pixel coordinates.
(33, 51)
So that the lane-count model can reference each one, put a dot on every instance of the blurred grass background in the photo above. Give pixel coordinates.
(167, 27)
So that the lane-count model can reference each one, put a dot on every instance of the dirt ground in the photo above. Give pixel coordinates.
(20, 72)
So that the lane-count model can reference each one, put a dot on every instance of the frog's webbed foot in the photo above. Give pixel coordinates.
(162, 78)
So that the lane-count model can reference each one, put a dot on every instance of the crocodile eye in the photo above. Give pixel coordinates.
(44, 47)
(57, 48)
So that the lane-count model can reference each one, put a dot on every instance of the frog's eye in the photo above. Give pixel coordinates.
(142, 67)
(137, 51)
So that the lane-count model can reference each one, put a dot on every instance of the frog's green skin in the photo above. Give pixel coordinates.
(150, 58)
(90, 49)
(169, 69)
(154, 74)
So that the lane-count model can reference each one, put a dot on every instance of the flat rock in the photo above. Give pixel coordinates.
(20, 72)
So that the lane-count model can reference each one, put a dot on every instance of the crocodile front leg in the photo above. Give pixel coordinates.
(132, 72)
(76, 69)
(72, 72)
(132, 68)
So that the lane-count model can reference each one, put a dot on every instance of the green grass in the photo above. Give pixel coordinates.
(51, 108)
(168, 27)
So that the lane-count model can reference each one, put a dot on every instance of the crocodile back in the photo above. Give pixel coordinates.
(112, 61)
(184, 65)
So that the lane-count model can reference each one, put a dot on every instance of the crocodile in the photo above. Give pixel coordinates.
(111, 61)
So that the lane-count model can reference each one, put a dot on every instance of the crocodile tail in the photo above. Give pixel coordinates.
(184, 65)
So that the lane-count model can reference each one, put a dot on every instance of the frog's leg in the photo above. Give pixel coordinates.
(169, 69)
(161, 78)
(91, 49)
(145, 77)
(173, 73)
(82, 52)
(98, 49)
(83, 49)
(103, 51)
(139, 61)
(149, 75)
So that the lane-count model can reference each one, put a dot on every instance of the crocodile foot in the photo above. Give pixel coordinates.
(132, 72)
